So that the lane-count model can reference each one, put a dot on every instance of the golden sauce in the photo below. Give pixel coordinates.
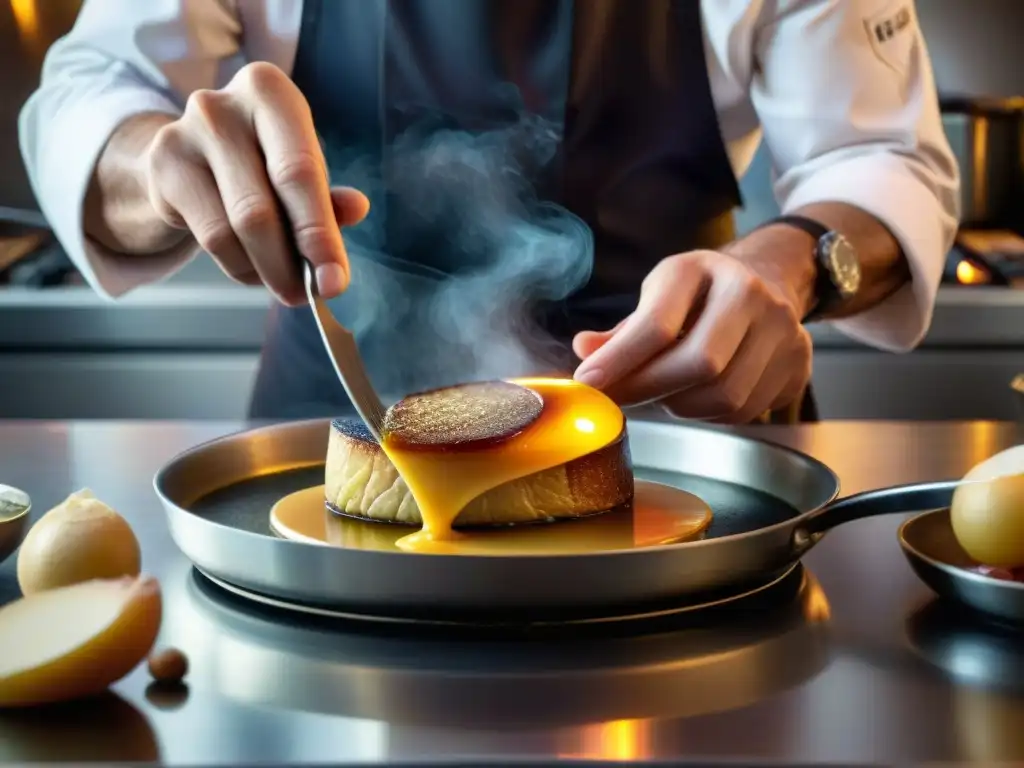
(659, 515)
(576, 420)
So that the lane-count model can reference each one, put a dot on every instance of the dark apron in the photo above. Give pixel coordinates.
(528, 163)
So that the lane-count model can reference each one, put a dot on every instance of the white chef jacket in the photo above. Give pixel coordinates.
(841, 91)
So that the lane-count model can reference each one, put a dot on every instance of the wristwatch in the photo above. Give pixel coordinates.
(838, 265)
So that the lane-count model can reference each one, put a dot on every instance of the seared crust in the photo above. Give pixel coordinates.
(360, 481)
(463, 417)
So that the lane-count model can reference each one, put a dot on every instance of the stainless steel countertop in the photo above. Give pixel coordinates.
(231, 318)
(833, 676)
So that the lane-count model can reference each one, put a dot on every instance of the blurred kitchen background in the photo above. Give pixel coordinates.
(188, 348)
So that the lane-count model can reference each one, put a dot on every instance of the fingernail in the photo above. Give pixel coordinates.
(592, 378)
(330, 279)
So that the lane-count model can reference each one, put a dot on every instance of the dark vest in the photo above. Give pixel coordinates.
(528, 162)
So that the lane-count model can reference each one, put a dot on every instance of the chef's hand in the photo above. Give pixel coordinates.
(227, 167)
(710, 339)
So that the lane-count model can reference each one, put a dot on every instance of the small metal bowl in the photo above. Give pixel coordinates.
(938, 559)
(15, 506)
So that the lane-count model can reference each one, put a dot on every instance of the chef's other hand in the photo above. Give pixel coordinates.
(232, 162)
(710, 339)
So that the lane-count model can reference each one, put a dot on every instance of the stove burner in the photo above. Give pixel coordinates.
(775, 593)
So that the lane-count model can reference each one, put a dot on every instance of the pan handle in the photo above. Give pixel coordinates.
(884, 501)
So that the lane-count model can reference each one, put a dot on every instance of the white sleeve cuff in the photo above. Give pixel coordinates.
(65, 155)
(882, 186)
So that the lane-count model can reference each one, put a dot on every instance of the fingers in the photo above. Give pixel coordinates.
(587, 343)
(799, 366)
(728, 393)
(731, 308)
(350, 206)
(253, 143)
(188, 198)
(707, 351)
(296, 168)
(781, 384)
(201, 207)
(250, 205)
(709, 339)
(764, 376)
(666, 298)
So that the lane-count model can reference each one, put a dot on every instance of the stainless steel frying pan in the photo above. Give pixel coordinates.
(771, 505)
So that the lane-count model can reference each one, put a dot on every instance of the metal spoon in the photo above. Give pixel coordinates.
(343, 351)
(340, 344)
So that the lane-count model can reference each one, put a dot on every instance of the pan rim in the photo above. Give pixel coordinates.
(159, 482)
(949, 569)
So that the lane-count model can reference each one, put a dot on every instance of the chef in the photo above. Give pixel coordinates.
(169, 127)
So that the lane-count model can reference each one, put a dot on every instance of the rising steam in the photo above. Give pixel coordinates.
(454, 258)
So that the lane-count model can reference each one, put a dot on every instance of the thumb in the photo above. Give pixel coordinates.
(350, 205)
(586, 343)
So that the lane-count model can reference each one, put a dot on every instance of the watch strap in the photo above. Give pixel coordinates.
(815, 229)
(826, 293)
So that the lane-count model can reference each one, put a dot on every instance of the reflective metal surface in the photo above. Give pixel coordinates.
(977, 653)
(875, 697)
(734, 656)
(986, 662)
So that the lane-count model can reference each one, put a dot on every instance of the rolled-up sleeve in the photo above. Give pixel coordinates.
(846, 97)
(122, 58)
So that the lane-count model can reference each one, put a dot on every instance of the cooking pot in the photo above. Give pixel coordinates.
(987, 137)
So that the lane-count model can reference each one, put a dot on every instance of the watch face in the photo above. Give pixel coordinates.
(844, 265)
